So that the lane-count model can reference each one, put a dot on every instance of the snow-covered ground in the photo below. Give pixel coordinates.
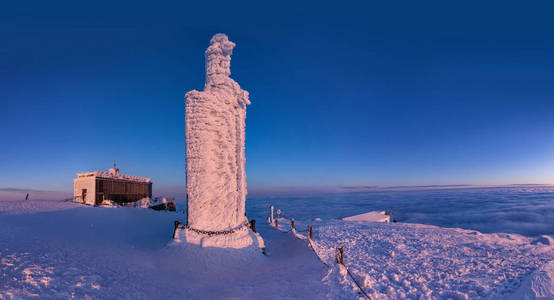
(60, 250)
(399, 261)
(54, 249)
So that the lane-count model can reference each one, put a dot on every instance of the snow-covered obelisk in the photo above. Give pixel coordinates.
(216, 179)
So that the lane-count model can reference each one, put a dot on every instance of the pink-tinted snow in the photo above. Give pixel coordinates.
(61, 250)
(54, 249)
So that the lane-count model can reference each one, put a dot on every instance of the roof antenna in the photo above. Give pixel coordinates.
(114, 164)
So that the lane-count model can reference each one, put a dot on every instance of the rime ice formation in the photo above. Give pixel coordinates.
(215, 121)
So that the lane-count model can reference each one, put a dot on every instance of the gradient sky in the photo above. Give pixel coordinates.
(343, 94)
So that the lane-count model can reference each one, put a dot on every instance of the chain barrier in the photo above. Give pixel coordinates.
(317, 255)
(207, 232)
(357, 284)
(310, 243)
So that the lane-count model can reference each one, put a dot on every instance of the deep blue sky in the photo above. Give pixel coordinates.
(343, 94)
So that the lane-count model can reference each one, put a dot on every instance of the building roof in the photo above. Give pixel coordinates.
(112, 174)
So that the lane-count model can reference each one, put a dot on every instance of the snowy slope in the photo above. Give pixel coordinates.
(55, 249)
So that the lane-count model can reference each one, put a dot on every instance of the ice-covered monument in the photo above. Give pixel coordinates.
(216, 179)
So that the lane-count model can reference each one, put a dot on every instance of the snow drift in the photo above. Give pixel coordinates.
(372, 216)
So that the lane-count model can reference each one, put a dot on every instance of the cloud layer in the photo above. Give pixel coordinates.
(523, 209)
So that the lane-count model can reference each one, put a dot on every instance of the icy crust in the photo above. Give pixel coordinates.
(411, 261)
(215, 124)
(240, 239)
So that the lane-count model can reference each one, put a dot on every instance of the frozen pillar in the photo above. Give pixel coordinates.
(215, 122)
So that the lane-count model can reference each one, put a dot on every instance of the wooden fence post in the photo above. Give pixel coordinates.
(292, 224)
(310, 232)
(176, 223)
(253, 225)
(340, 257)
(276, 223)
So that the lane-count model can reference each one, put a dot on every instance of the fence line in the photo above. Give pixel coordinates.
(317, 255)
(338, 258)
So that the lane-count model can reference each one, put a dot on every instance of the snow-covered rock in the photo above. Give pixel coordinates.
(372, 216)
(142, 203)
(156, 203)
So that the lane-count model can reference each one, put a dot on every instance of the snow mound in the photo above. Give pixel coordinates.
(142, 203)
(545, 240)
(340, 286)
(148, 202)
(372, 216)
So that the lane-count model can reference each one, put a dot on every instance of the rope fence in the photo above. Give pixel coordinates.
(339, 258)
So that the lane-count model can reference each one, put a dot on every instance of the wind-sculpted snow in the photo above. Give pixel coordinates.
(215, 124)
(541, 282)
(411, 261)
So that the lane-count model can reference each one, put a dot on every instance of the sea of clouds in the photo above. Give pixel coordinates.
(522, 209)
